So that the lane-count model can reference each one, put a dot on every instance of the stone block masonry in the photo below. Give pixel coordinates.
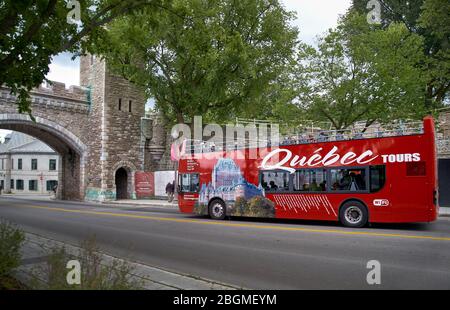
(95, 128)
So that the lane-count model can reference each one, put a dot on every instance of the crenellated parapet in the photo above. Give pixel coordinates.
(54, 96)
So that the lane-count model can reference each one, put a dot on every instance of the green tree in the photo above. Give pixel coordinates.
(11, 240)
(429, 19)
(435, 20)
(217, 58)
(33, 31)
(361, 72)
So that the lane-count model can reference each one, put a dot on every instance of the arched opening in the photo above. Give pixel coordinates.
(70, 149)
(121, 180)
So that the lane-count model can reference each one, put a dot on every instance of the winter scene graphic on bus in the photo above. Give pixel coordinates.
(242, 198)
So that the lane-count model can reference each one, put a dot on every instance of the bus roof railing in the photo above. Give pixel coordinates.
(306, 137)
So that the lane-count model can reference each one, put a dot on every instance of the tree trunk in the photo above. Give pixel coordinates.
(429, 98)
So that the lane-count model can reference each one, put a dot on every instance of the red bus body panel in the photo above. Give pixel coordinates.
(410, 198)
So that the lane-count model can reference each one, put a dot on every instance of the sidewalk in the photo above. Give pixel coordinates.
(35, 196)
(444, 211)
(35, 249)
(145, 203)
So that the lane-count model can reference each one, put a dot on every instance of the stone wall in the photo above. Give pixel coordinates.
(443, 136)
(58, 117)
(115, 138)
(444, 121)
(94, 134)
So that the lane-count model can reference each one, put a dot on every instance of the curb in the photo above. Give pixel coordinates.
(35, 249)
(143, 204)
(444, 212)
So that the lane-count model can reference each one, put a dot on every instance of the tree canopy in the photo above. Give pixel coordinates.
(213, 58)
(227, 58)
(429, 19)
(360, 72)
(34, 31)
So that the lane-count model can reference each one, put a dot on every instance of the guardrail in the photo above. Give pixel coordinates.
(306, 137)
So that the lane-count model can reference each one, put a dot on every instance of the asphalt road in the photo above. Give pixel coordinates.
(258, 254)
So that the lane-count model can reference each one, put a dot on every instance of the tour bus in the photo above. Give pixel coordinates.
(386, 176)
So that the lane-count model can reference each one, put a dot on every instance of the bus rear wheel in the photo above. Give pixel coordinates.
(353, 214)
(217, 210)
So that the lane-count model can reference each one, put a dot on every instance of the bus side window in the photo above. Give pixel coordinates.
(189, 182)
(185, 180)
(416, 169)
(377, 178)
(195, 184)
(348, 179)
(274, 181)
(310, 180)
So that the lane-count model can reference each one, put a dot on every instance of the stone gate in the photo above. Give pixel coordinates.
(98, 129)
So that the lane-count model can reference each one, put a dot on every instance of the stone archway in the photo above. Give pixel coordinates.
(121, 182)
(71, 149)
(122, 167)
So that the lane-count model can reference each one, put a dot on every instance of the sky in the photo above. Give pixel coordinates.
(314, 17)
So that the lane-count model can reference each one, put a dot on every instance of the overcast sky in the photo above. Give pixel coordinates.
(314, 17)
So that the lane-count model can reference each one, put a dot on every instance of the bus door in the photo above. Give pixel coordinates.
(188, 188)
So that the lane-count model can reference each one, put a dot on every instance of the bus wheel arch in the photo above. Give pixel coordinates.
(353, 212)
(217, 209)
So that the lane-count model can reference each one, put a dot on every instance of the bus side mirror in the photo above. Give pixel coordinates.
(178, 188)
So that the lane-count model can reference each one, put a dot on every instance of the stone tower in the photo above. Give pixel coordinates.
(114, 136)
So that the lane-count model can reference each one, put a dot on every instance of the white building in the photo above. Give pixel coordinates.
(27, 165)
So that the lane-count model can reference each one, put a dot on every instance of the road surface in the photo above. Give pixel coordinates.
(249, 253)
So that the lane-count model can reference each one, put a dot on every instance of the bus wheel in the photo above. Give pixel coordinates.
(217, 210)
(353, 214)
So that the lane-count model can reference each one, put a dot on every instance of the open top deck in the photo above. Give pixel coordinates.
(308, 135)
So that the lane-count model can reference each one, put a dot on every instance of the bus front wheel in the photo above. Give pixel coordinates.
(353, 214)
(217, 209)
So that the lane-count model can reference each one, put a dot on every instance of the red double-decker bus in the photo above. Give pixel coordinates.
(386, 177)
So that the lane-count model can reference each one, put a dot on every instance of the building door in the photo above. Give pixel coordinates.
(444, 182)
(121, 184)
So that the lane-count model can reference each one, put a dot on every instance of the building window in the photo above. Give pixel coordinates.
(51, 184)
(19, 164)
(12, 163)
(33, 185)
(52, 164)
(12, 184)
(129, 106)
(34, 164)
(120, 104)
(19, 184)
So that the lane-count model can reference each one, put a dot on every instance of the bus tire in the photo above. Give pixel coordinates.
(353, 214)
(217, 209)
